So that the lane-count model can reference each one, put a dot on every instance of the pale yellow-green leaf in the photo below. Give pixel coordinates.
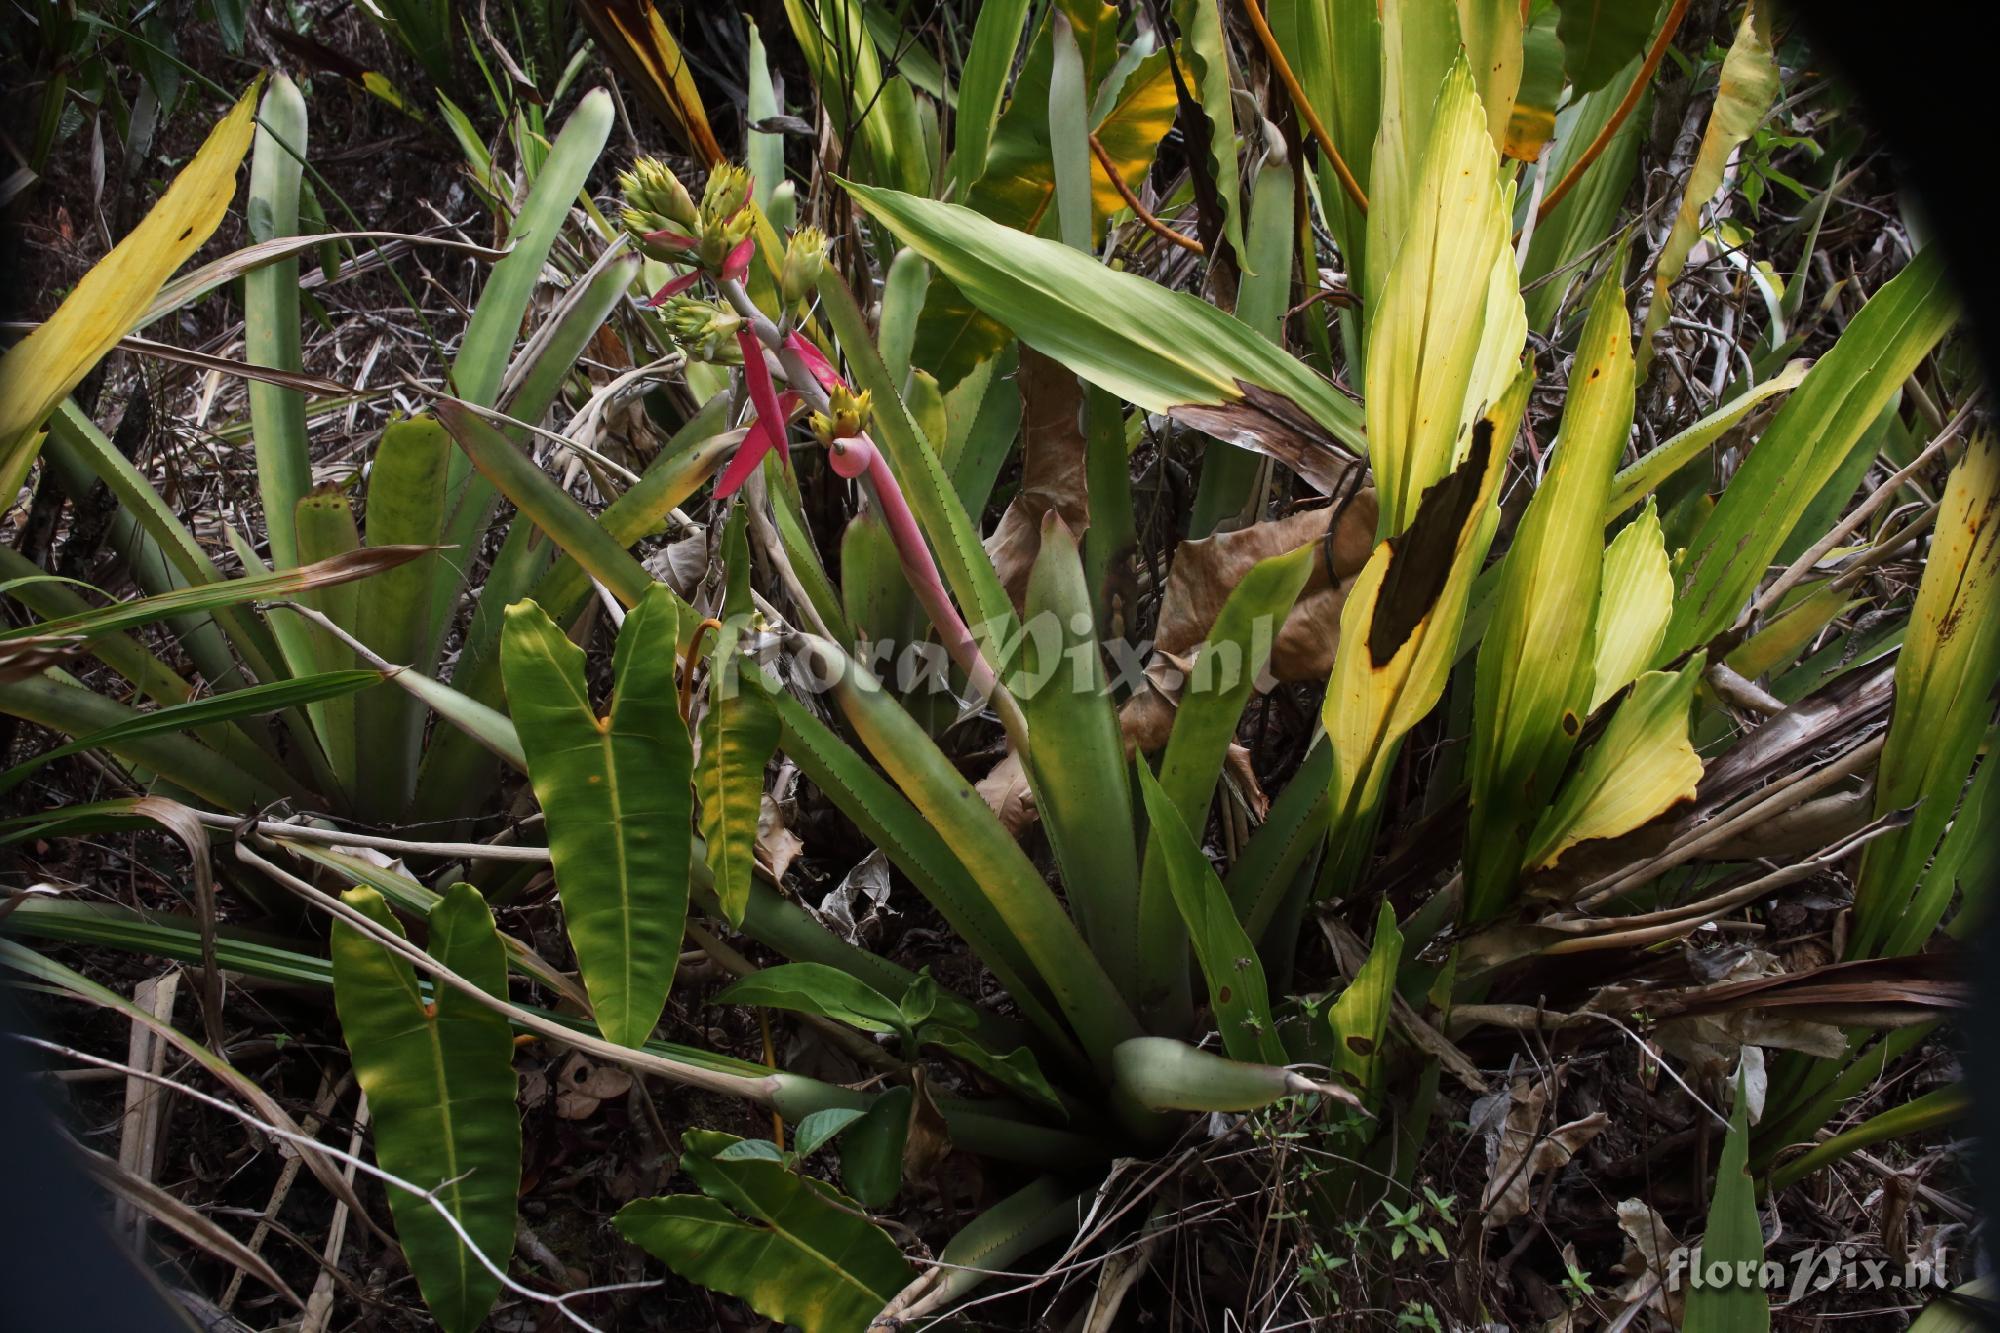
(1419, 46)
(1381, 687)
(39, 371)
(1536, 665)
(1636, 482)
(1425, 332)
(1944, 679)
(1748, 84)
(1634, 604)
(1641, 767)
(1491, 30)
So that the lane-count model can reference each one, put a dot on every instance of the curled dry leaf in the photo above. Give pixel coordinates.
(1052, 470)
(1005, 791)
(1648, 1243)
(1520, 1154)
(1267, 422)
(777, 845)
(582, 1085)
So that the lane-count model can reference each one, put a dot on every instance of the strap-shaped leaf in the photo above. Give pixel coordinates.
(798, 1251)
(440, 1082)
(739, 733)
(1237, 991)
(1641, 766)
(1153, 347)
(1536, 667)
(1634, 604)
(616, 796)
(1735, 1237)
(1360, 1017)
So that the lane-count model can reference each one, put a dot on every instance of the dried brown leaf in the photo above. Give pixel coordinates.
(1053, 446)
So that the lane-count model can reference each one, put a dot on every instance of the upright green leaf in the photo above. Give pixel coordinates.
(614, 791)
(1426, 367)
(271, 315)
(1735, 1237)
(1207, 56)
(1600, 36)
(439, 1077)
(1237, 992)
(1360, 1017)
(799, 1252)
(406, 502)
(981, 86)
(1803, 446)
(739, 733)
(1536, 668)
(1076, 768)
(1944, 681)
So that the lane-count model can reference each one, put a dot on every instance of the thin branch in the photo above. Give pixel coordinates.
(1283, 68)
(1618, 117)
(1139, 210)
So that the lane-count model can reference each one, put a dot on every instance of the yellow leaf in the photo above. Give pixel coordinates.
(38, 372)
(1642, 766)
(638, 42)
(1634, 606)
(1427, 344)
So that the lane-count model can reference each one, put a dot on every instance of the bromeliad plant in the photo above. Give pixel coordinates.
(1568, 707)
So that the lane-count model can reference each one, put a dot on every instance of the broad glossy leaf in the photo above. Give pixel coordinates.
(1419, 46)
(1639, 768)
(1633, 608)
(1735, 1236)
(615, 794)
(798, 1251)
(1018, 1071)
(1150, 346)
(406, 503)
(1600, 36)
(1944, 677)
(1429, 366)
(1803, 446)
(439, 1077)
(38, 372)
(1237, 992)
(1492, 33)
(1536, 668)
(814, 988)
(1747, 86)
(871, 1156)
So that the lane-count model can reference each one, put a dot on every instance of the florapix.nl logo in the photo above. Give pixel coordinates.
(1808, 1270)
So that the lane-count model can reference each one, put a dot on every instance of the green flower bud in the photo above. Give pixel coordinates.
(706, 331)
(805, 256)
(728, 190)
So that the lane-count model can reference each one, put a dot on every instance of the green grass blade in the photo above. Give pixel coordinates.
(1734, 1237)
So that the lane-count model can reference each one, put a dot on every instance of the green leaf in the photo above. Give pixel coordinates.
(1639, 768)
(847, 73)
(197, 713)
(1939, 1107)
(1804, 445)
(1236, 988)
(1536, 666)
(1225, 673)
(813, 988)
(1642, 478)
(1152, 347)
(1162, 1074)
(1586, 216)
(1636, 600)
(440, 1083)
(996, 33)
(1432, 368)
(406, 498)
(1735, 1237)
(1076, 766)
(1018, 1071)
(871, 1156)
(1360, 1017)
(1032, 917)
(1600, 36)
(739, 733)
(615, 794)
(271, 315)
(1944, 679)
(797, 1251)
(1207, 56)
(821, 1128)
